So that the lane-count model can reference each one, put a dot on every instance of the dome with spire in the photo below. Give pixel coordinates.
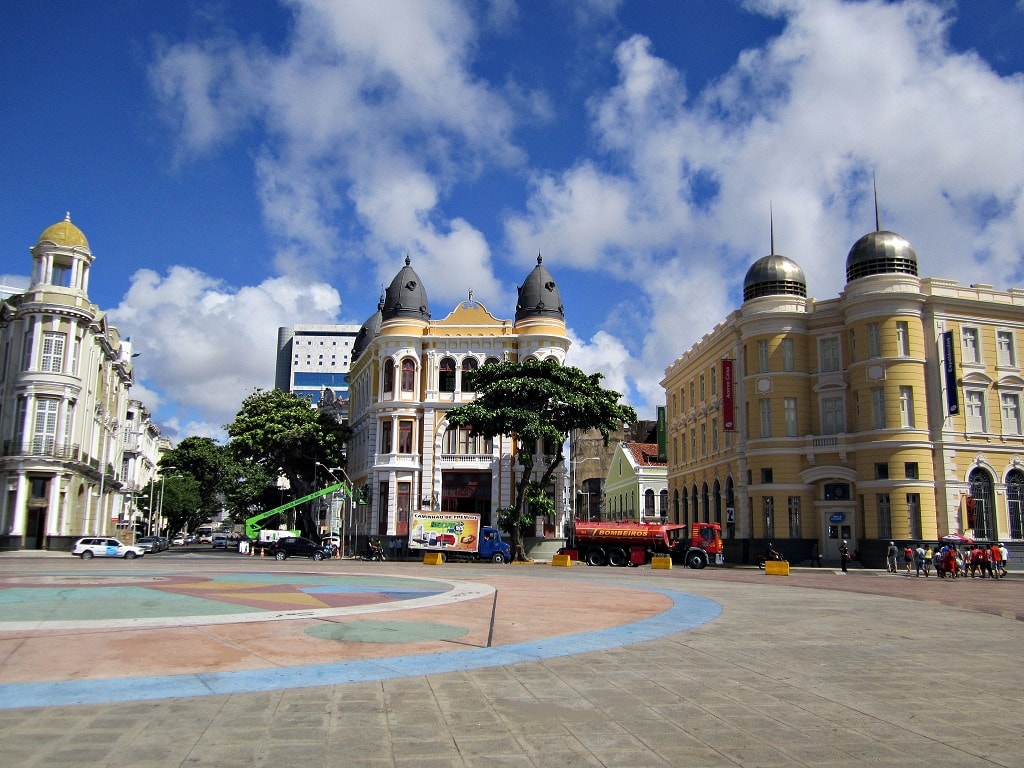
(368, 332)
(774, 275)
(880, 253)
(406, 296)
(539, 296)
(64, 233)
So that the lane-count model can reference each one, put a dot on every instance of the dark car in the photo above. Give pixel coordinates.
(296, 546)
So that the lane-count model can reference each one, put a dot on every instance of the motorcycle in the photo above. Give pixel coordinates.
(374, 552)
(773, 556)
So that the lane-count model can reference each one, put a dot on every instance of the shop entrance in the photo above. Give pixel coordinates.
(838, 527)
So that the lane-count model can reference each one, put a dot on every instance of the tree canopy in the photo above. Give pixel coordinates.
(539, 403)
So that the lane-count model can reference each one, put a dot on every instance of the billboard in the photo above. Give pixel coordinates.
(446, 531)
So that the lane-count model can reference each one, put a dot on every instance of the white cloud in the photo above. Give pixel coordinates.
(204, 346)
(846, 90)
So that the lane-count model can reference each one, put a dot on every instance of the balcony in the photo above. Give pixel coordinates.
(44, 448)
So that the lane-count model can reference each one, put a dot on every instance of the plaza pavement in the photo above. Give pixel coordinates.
(537, 666)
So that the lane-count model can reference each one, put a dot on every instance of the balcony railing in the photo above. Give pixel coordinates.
(46, 448)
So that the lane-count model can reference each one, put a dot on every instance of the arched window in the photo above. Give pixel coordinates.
(981, 505)
(695, 504)
(675, 507)
(446, 375)
(1015, 503)
(491, 360)
(649, 503)
(468, 364)
(663, 504)
(717, 494)
(705, 504)
(389, 375)
(408, 375)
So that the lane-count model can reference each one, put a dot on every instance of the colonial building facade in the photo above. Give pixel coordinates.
(892, 412)
(636, 488)
(64, 379)
(408, 370)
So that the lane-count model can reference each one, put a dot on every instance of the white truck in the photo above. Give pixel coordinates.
(457, 536)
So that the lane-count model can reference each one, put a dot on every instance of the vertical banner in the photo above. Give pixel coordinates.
(662, 434)
(728, 424)
(949, 371)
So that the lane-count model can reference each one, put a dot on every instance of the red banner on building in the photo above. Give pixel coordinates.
(729, 425)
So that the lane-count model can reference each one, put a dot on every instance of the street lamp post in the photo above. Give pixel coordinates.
(160, 513)
(349, 494)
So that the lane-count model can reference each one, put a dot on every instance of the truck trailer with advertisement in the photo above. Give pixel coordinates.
(621, 544)
(457, 536)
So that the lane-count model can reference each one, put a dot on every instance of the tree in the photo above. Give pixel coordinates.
(279, 433)
(538, 403)
(209, 465)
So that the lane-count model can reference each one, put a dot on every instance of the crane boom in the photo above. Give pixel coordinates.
(252, 524)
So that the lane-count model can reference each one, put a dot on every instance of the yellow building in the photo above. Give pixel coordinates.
(407, 371)
(892, 412)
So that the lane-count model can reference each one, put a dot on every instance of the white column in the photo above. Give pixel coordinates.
(20, 515)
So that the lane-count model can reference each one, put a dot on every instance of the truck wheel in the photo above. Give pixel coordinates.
(617, 558)
(498, 558)
(595, 557)
(696, 560)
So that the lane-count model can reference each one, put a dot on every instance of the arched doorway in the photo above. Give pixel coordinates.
(981, 504)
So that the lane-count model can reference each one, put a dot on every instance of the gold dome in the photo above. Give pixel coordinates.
(64, 233)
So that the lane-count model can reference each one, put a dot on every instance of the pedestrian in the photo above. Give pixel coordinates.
(919, 560)
(1004, 558)
(908, 558)
(928, 557)
(996, 560)
(890, 557)
(844, 555)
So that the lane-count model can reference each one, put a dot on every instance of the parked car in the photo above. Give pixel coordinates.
(178, 541)
(296, 546)
(149, 543)
(89, 548)
(219, 541)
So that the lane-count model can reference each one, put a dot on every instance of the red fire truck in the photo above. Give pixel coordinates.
(622, 544)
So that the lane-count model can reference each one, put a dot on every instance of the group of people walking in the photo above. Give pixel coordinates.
(975, 560)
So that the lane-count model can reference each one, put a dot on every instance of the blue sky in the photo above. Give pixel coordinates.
(238, 165)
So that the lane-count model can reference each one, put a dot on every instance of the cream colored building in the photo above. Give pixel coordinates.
(64, 379)
(407, 371)
(845, 421)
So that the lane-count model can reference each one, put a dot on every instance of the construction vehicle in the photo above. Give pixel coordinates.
(260, 536)
(457, 536)
(622, 544)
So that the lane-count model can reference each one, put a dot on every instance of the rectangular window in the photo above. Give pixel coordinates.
(1004, 347)
(1010, 404)
(767, 475)
(975, 410)
(702, 391)
(405, 435)
(52, 360)
(910, 470)
(833, 420)
(714, 382)
(762, 356)
(703, 439)
(44, 437)
(907, 407)
(828, 355)
(794, 517)
(768, 506)
(914, 515)
(902, 338)
(789, 404)
(765, 406)
(714, 435)
(884, 516)
(682, 399)
(874, 340)
(385, 436)
(881, 471)
(693, 443)
(972, 353)
(788, 359)
(878, 408)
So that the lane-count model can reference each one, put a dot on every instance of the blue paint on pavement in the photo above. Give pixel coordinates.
(687, 611)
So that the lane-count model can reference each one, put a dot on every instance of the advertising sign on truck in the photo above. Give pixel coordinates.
(458, 536)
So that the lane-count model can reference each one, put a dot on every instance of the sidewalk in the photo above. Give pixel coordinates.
(815, 669)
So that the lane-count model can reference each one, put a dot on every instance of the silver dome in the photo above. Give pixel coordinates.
(539, 295)
(880, 253)
(406, 296)
(774, 275)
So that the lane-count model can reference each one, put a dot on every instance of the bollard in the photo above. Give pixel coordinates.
(776, 568)
(561, 560)
(663, 563)
(433, 558)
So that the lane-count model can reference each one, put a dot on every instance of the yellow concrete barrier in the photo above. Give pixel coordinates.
(661, 563)
(776, 568)
(561, 560)
(433, 558)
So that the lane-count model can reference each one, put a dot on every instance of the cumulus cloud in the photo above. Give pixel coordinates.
(205, 346)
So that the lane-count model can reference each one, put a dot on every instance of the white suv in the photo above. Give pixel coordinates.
(99, 547)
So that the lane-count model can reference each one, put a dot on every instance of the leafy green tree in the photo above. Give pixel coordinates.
(209, 465)
(278, 433)
(538, 403)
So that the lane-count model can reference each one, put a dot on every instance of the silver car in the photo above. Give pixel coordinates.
(91, 547)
